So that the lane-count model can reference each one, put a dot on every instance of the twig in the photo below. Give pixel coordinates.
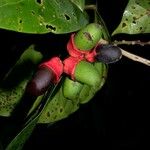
(135, 57)
(137, 42)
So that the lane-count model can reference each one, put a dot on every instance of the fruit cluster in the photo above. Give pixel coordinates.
(84, 51)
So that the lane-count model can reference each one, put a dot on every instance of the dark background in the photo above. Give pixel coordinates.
(116, 118)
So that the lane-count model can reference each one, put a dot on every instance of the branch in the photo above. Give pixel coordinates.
(137, 42)
(135, 57)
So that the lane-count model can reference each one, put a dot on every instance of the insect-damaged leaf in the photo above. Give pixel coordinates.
(13, 86)
(136, 18)
(41, 16)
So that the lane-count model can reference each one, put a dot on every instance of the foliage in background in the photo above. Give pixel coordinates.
(136, 18)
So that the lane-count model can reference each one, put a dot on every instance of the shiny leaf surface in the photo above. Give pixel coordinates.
(41, 16)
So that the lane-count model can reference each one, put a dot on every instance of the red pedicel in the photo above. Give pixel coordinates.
(73, 50)
(91, 56)
(70, 65)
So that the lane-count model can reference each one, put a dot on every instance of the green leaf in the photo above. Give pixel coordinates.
(41, 16)
(19, 140)
(58, 108)
(13, 86)
(136, 18)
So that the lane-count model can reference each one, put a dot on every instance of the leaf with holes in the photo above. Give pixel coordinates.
(41, 16)
(136, 18)
(11, 88)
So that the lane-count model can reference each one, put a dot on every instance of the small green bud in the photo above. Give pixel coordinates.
(88, 37)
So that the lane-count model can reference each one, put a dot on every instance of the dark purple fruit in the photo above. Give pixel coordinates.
(108, 53)
(40, 82)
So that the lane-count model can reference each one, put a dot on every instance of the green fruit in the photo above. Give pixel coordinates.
(71, 89)
(85, 94)
(88, 92)
(86, 73)
(99, 67)
(102, 69)
(88, 37)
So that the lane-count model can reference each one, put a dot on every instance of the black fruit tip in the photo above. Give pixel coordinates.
(40, 82)
(108, 53)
